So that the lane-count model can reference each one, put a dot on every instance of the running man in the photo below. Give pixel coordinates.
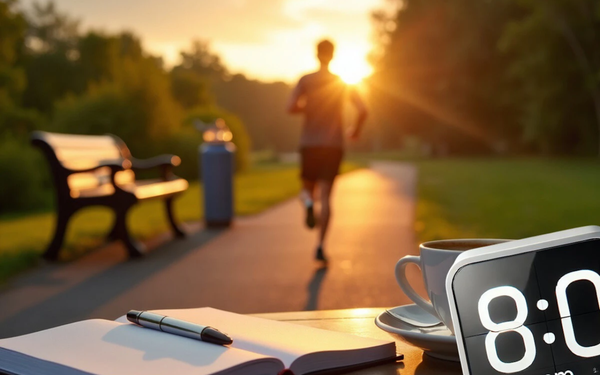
(320, 97)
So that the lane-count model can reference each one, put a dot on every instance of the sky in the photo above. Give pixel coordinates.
(269, 40)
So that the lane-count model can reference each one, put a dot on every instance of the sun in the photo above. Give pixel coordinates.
(351, 67)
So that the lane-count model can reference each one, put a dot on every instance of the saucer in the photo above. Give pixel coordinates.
(437, 342)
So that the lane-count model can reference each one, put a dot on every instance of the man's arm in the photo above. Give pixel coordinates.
(296, 102)
(361, 108)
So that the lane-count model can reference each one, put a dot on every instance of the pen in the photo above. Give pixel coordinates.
(178, 327)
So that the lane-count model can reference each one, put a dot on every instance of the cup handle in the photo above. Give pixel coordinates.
(407, 288)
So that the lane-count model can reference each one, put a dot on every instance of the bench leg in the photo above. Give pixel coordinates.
(52, 250)
(135, 249)
(177, 229)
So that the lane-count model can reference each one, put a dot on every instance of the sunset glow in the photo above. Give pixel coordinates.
(268, 40)
(351, 65)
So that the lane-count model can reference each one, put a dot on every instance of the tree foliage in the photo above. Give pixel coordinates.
(201, 80)
(441, 75)
(555, 44)
(15, 121)
(477, 75)
(53, 77)
(202, 61)
(127, 94)
(189, 88)
(50, 57)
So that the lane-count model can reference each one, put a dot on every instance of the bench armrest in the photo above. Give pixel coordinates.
(156, 161)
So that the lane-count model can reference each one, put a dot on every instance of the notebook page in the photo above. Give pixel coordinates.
(110, 348)
(285, 341)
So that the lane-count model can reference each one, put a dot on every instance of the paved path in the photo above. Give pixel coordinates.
(264, 264)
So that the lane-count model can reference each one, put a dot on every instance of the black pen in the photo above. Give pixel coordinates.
(178, 327)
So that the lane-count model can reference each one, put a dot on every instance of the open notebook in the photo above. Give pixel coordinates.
(260, 346)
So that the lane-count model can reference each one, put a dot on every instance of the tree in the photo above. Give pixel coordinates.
(12, 35)
(22, 188)
(191, 79)
(51, 55)
(189, 88)
(14, 119)
(101, 56)
(262, 108)
(202, 61)
(441, 76)
(136, 105)
(558, 66)
(201, 83)
(51, 30)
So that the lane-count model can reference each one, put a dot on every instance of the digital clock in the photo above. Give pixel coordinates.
(529, 306)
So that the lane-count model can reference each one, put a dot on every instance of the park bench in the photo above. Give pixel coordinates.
(90, 170)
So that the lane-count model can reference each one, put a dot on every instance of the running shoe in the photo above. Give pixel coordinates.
(310, 215)
(320, 255)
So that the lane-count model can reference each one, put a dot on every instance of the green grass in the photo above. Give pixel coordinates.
(23, 238)
(505, 198)
(456, 198)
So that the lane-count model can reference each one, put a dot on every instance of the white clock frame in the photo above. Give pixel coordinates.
(503, 250)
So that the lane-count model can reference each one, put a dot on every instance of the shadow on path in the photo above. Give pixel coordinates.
(263, 264)
(78, 302)
(314, 287)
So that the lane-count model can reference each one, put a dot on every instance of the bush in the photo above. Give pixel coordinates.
(137, 107)
(19, 122)
(25, 176)
(103, 109)
(185, 145)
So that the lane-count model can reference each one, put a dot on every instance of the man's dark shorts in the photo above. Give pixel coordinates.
(320, 163)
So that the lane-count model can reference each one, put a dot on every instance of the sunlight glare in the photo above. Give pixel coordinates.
(351, 65)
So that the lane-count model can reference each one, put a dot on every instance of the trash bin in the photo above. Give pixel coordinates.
(217, 165)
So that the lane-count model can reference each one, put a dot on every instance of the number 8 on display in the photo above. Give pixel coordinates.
(497, 329)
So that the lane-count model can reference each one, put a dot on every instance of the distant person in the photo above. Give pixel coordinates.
(320, 97)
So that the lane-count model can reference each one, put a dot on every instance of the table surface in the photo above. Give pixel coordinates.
(360, 322)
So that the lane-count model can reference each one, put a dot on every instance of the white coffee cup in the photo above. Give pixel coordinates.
(435, 260)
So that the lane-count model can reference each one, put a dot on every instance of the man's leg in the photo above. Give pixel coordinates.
(307, 196)
(308, 190)
(325, 189)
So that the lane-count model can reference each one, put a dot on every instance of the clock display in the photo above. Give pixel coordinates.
(534, 313)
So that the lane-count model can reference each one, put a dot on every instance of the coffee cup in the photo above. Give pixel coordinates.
(435, 260)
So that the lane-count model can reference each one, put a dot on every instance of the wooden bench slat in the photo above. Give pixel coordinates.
(83, 151)
(59, 141)
(147, 189)
(81, 181)
(88, 155)
(142, 190)
(94, 182)
(96, 192)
